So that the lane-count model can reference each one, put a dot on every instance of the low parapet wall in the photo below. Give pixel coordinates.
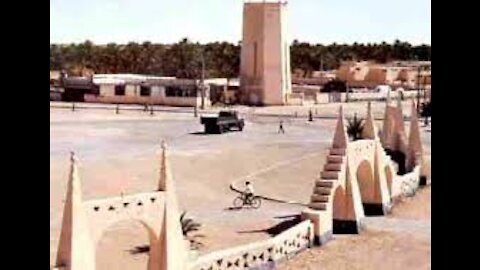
(322, 98)
(378, 96)
(267, 253)
(407, 184)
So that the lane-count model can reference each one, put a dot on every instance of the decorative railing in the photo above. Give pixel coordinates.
(263, 253)
(407, 184)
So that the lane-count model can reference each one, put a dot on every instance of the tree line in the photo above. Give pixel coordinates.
(184, 59)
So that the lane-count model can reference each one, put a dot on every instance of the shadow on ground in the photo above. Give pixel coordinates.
(287, 223)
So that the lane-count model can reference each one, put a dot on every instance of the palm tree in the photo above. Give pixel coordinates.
(355, 128)
(189, 226)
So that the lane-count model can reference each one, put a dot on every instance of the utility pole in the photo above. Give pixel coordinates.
(202, 83)
(321, 62)
(347, 98)
(418, 88)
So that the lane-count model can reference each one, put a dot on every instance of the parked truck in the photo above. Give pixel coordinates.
(225, 121)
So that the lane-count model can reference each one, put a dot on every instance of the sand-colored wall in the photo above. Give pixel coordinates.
(104, 213)
(257, 254)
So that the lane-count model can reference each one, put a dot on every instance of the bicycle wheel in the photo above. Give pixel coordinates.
(238, 202)
(256, 202)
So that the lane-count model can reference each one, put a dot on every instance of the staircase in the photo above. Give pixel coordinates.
(322, 192)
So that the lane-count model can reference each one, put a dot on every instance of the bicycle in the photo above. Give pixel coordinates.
(242, 200)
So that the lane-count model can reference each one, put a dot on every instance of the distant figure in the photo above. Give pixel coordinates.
(280, 127)
(310, 116)
(249, 192)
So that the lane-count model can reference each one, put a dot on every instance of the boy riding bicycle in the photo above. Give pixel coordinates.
(249, 192)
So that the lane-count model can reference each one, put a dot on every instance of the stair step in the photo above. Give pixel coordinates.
(324, 183)
(329, 174)
(319, 198)
(318, 206)
(322, 190)
(337, 151)
(333, 167)
(334, 159)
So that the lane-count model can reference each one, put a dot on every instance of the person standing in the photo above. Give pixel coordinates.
(280, 127)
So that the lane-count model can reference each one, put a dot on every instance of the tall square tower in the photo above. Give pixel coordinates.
(265, 77)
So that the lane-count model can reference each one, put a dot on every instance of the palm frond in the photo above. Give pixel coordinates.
(355, 127)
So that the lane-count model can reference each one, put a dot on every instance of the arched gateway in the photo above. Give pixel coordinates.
(358, 178)
(84, 222)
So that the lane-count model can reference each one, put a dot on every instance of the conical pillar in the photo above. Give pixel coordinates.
(369, 129)
(382, 197)
(75, 251)
(340, 139)
(415, 148)
(164, 172)
(388, 123)
(173, 247)
(400, 123)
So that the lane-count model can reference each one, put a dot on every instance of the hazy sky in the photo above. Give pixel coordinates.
(166, 21)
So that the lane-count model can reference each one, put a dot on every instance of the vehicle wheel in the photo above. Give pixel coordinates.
(220, 129)
(238, 202)
(256, 202)
(240, 127)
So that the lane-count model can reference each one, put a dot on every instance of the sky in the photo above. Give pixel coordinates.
(168, 21)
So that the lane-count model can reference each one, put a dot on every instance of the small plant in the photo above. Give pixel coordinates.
(188, 227)
(355, 128)
(426, 109)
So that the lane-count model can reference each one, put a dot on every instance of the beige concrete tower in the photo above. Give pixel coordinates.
(265, 77)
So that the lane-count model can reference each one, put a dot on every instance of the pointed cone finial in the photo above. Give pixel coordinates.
(415, 148)
(414, 111)
(73, 181)
(73, 241)
(399, 102)
(163, 145)
(340, 139)
(162, 181)
(400, 123)
(369, 129)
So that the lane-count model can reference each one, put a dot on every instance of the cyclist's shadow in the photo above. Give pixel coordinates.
(233, 208)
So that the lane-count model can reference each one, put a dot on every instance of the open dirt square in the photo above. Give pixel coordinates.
(119, 154)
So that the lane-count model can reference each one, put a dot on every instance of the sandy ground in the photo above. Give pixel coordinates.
(369, 250)
(119, 153)
(401, 240)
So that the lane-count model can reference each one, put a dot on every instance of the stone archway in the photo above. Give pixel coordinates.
(342, 223)
(140, 253)
(84, 222)
(368, 188)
